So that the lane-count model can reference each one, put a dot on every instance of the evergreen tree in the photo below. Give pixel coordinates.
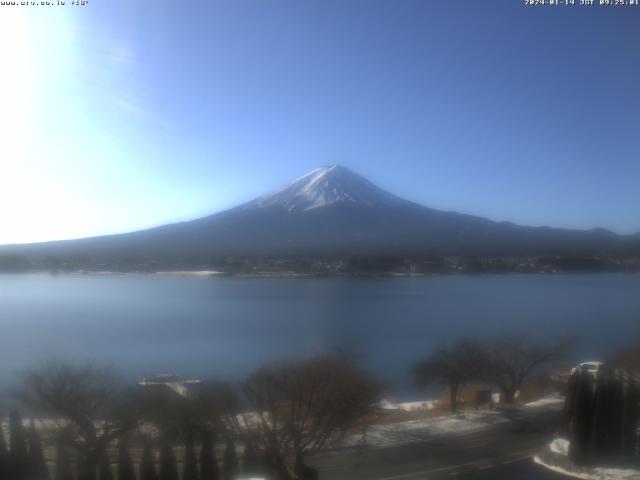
(631, 414)
(38, 465)
(81, 468)
(104, 468)
(168, 465)
(4, 456)
(18, 452)
(190, 467)
(302, 471)
(230, 466)
(581, 440)
(125, 465)
(63, 465)
(148, 464)
(251, 464)
(275, 467)
(208, 463)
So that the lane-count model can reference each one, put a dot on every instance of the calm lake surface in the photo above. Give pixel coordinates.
(226, 326)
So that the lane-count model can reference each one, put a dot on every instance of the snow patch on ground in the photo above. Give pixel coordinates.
(409, 406)
(424, 429)
(594, 474)
(560, 446)
(553, 399)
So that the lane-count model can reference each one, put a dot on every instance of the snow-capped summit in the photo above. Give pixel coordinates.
(332, 184)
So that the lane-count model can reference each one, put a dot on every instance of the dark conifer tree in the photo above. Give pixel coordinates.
(18, 452)
(125, 465)
(230, 466)
(605, 408)
(38, 466)
(81, 468)
(275, 467)
(148, 464)
(168, 465)
(630, 434)
(189, 463)
(208, 463)
(4, 456)
(104, 468)
(581, 440)
(63, 471)
(302, 471)
(567, 421)
(251, 465)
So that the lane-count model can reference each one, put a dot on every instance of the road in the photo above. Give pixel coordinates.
(521, 470)
(506, 448)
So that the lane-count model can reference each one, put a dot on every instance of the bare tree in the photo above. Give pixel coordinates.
(511, 360)
(182, 416)
(92, 407)
(303, 406)
(452, 365)
(197, 414)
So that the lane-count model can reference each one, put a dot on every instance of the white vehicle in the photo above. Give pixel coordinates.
(590, 367)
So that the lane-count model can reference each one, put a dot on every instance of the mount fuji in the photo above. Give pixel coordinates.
(326, 186)
(333, 210)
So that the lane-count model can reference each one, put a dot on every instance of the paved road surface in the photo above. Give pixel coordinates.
(522, 470)
(504, 449)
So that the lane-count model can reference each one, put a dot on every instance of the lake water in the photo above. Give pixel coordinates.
(226, 326)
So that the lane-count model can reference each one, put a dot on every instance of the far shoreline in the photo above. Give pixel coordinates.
(292, 274)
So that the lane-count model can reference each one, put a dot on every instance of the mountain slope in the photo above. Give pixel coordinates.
(332, 210)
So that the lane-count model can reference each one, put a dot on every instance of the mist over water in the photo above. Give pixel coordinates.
(226, 326)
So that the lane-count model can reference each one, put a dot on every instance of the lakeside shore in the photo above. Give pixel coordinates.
(294, 274)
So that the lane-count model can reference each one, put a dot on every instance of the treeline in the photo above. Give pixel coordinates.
(265, 426)
(15, 263)
(106, 429)
(506, 363)
(347, 264)
(22, 458)
(25, 460)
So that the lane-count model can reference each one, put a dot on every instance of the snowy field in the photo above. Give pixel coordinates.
(553, 399)
(418, 406)
(411, 431)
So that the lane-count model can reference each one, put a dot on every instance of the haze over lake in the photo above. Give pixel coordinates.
(226, 326)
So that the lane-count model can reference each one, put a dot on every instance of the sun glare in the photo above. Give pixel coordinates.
(16, 90)
(15, 81)
(34, 205)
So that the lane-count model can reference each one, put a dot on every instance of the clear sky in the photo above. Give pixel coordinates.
(124, 114)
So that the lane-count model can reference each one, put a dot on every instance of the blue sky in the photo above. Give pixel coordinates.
(121, 115)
